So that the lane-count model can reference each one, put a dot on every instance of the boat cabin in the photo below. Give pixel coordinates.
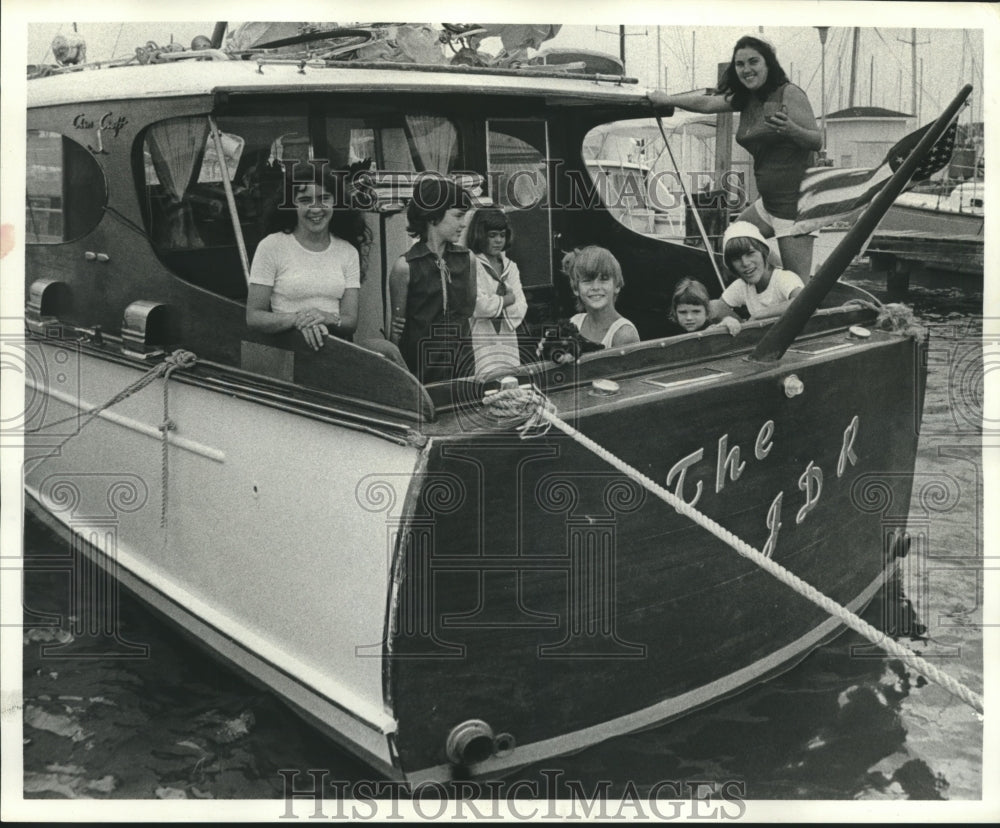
(145, 182)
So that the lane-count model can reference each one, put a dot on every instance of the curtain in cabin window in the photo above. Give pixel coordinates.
(435, 142)
(176, 148)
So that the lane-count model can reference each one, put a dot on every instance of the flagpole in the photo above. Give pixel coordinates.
(777, 339)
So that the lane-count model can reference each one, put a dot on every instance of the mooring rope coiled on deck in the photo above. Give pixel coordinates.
(178, 359)
(539, 414)
(895, 317)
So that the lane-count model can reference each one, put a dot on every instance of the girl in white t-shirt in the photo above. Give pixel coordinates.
(761, 288)
(304, 276)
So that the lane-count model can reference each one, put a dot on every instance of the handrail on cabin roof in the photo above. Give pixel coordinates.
(539, 71)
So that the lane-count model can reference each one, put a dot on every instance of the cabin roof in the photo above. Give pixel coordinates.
(196, 77)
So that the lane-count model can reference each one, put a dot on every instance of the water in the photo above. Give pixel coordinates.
(845, 724)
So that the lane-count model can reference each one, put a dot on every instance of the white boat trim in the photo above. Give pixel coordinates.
(128, 422)
(660, 712)
(232, 640)
(690, 381)
(189, 78)
(813, 352)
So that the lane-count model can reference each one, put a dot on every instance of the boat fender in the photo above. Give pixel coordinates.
(793, 386)
(470, 742)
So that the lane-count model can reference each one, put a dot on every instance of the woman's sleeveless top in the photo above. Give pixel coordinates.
(435, 340)
(778, 162)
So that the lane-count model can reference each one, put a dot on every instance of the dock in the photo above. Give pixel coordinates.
(901, 253)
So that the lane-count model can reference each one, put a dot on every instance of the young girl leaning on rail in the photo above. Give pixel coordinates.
(761, 288)
(690, 310)
(432, 287)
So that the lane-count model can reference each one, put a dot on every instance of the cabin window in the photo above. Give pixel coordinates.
(395, 146)
(184, 173)
(634, 179)
(65, 189)
(186, 206)
(184, 194)
(517, 161)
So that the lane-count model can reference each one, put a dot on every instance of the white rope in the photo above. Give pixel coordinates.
(530, 398)
(178, 359)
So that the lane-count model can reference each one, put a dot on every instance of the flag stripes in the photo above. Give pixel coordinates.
(828, 195)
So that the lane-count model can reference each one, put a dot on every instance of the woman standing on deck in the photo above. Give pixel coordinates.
(777, 127)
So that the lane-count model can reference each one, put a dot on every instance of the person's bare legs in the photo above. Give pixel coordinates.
(797, 255)
(795, 251)
(750, 214)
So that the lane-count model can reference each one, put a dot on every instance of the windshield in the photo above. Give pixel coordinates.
(185, 174)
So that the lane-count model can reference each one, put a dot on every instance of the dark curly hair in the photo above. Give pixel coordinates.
(732, 87)
(347, 222)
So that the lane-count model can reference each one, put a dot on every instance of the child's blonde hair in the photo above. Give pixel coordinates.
(587, 263)
(688, 292)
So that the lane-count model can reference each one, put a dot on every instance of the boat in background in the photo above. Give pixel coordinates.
(639, 200)
(396, 561)
(943, 211)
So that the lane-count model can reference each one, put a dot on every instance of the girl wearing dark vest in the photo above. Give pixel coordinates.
(432, 287)
(777, 127)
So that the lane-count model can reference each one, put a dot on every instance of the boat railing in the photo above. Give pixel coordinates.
(197, 54)
(653, 355)
(562, 72)
(541, 71)
(351, 372)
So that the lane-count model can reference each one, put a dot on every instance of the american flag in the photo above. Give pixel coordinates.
(829, 194)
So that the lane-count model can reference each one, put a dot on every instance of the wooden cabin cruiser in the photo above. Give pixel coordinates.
(437, 593)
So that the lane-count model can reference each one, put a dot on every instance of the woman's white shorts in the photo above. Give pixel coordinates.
(781, 227)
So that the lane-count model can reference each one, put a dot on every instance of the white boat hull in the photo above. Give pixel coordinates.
(930, 221)
(316, 634)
